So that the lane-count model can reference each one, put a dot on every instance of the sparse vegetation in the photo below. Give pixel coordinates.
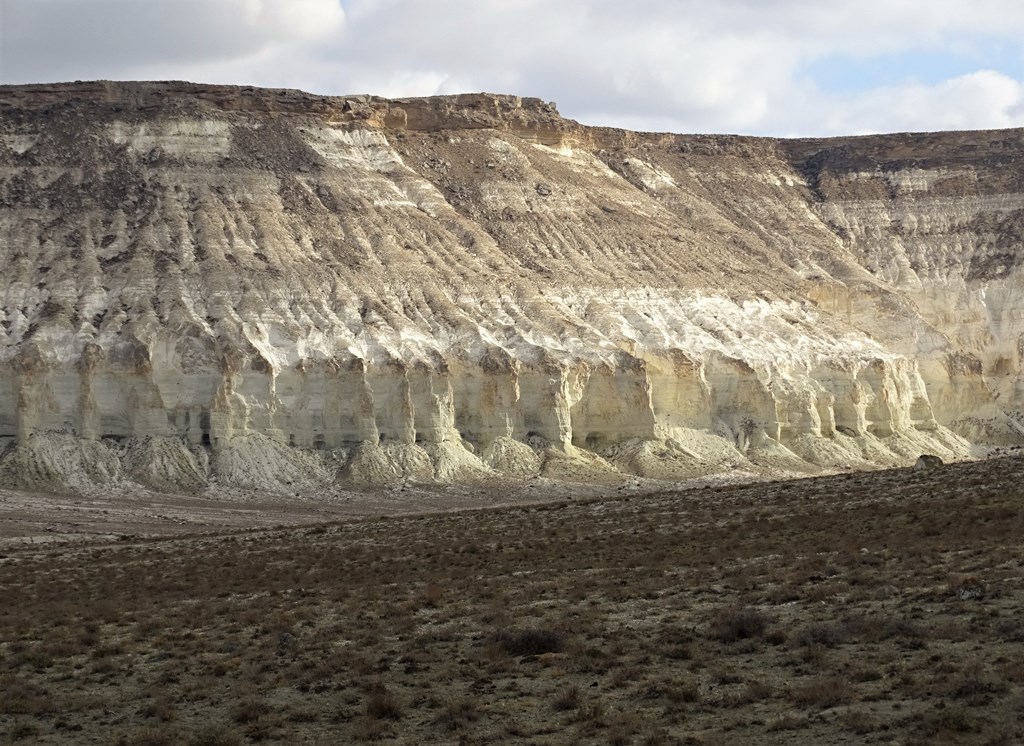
(751, 615)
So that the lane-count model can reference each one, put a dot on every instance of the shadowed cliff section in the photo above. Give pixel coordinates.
(266, 289)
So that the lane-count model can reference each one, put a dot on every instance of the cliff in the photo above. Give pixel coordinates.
(275, 290)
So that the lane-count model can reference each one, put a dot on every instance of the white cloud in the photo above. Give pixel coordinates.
(296, 19)
(47, 40)
(979, 100)
(684, 65)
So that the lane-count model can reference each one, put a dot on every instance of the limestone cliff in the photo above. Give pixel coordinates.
(275, 290)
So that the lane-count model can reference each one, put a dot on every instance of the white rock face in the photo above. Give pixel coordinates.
(274, 291)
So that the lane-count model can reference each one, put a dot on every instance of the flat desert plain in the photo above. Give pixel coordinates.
(876, 607)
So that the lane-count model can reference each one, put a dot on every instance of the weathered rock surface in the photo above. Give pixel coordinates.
(273, 290)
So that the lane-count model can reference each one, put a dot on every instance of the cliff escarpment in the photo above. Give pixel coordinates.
(274, 290)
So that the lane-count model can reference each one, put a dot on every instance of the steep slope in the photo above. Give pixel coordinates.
(276, 290)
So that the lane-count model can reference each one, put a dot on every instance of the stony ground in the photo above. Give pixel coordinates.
(130, 512)
(880, 607)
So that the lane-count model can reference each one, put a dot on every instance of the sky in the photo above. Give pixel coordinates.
(760, 67)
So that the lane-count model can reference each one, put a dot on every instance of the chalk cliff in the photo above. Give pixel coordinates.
(274, 290)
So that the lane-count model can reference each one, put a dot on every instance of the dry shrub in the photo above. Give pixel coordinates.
(567, 699)
(153, 737)
(950, 720)
(23, 730)
(368, 729)
(529, 641)
(876, 627)
(680, 651)
(160, 708)
(824, 692)
(593, 659)
(302, 714)
(625, 674)
(864, 673)
(215, 735)
(432, 596)
(674, 642)
(1011, 630)
(676, 691)
(249, 709)
(67, 646)
(976, 688)
(859, 722)
(786, 722)
(626, 726)
(37, 657)
(457, 713)
(738, 623)
(22, 697)
(825, 634)
(592, 715)
(658, 737)
(382, 704)
(754, 691)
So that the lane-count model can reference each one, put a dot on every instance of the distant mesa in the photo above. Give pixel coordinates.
(216, 287)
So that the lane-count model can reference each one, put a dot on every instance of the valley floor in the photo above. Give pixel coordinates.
(881, 607)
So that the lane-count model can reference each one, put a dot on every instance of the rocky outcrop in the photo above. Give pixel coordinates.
(272, 290)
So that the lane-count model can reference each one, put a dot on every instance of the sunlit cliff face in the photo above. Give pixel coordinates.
(273, 290)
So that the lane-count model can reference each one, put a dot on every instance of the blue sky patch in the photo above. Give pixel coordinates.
(851, 74)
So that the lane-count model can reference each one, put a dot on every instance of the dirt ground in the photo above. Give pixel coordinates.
(881, 607)
(131, 512)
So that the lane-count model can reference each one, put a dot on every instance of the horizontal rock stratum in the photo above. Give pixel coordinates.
(275, 290)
